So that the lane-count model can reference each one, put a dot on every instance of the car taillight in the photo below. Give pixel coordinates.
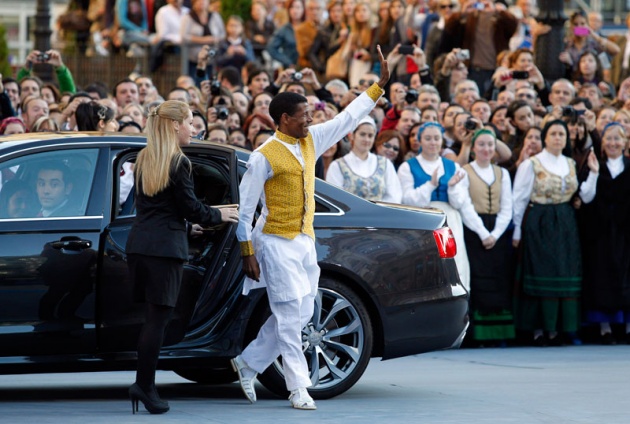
(445, 242)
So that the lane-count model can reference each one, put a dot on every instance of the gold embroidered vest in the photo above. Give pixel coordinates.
(289, 194)
(485, 198)
(551, 189)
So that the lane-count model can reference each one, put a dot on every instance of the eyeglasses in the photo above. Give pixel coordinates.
(366, 82)
(218, 140)
(389, 146)
(447, 6)
(526, 96)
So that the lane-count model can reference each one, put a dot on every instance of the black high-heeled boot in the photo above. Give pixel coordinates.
(151, 401)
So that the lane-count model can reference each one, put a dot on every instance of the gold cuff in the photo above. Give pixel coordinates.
(375, 92)
(247, 248)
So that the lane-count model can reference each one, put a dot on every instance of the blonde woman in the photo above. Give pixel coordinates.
(157, 246)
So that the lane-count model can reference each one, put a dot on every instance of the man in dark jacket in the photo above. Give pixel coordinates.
(484, 29)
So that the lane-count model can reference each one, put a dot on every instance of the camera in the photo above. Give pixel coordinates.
(411, 97)
(463, 54)
(297, 76)
(215, 87)
(222, 113)
(479, 6)
(470, 125)
(211, 53)
(571, 113)
(43, 57)
(520, 75)
(405, 50)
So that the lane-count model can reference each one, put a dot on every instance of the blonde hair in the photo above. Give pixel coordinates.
(162, 152)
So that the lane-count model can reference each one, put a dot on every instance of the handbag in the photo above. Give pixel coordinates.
(337, 64)
(358, 69)
(74, 20)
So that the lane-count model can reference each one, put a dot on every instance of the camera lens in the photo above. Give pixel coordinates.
(411, 96)
(470, 125)
(297, 76)
(222, 113)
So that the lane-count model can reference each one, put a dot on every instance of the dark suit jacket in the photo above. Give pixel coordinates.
(160, 225)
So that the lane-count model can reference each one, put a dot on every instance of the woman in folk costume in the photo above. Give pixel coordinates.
(607, 247)
(488, 244)
(365, 174)
(549, 269)
(431, 180)
(279, 253)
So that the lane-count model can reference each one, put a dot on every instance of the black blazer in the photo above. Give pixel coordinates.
(159, 228)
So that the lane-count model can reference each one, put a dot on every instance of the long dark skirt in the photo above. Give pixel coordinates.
(549, 270)
(490, 284)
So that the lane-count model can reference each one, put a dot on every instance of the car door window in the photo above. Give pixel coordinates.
(47, 184)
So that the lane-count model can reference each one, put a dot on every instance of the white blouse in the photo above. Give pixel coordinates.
(524, 184)
(615, 166)
(421, 195)
(365, 169)
(504, 216)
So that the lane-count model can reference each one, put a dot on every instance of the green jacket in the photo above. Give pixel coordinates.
(64, 77)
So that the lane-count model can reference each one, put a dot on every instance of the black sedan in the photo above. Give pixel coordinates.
(389, 284)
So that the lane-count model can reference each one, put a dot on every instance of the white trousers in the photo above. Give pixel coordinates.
(282, 335)
(294, 264)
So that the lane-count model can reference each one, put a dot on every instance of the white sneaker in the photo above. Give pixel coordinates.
(246, 376)
(300, 399)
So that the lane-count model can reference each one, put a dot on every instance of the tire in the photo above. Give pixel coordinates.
(208, 376)
(337, 343)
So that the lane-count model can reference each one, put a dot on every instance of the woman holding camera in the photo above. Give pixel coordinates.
(157, 246)
(549, 270)
(431, 180)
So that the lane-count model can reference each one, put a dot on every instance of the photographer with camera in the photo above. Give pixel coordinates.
(450, 70)
(53, 58)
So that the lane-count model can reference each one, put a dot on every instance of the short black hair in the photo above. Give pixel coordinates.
(585, 100)
(285, 102)
(231, 74)
(8, 80)
(516, 105)
(98, 88)
(57, 165)
(543, 134)
(122, 81)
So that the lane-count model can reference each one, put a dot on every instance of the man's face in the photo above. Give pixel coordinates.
(13, 92)
(298, 89)
(180, 95)
(467, 93)
(449, 116)
(258, 84)
(428, 99)
(297, 124)
(126, 93)
(397, 92)
(337, 93)
(406, 121)
(35, 109)
(313, 11)
(505, 97)
(527, 95)
(145, 86)
(52, 191)
(29, 88)
(592, 94)
(561, 94)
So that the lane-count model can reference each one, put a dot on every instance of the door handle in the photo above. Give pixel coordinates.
(71, 243)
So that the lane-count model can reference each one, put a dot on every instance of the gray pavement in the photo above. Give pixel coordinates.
(583, 384)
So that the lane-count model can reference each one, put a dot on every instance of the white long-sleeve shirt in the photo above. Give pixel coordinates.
(365, 169)
(504, 217)
(168, 22)
(421, 195)
(524, 184)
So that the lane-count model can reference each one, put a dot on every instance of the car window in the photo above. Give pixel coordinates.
(47, 184)
(210, 179)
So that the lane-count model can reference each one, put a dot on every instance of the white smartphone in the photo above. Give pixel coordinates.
(604, 60)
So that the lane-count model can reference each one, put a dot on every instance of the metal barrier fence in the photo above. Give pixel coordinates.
(111, 69)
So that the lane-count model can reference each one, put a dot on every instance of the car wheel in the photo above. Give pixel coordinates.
(208, 376)
(337, 343)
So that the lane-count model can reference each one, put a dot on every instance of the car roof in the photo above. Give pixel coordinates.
(9, 142)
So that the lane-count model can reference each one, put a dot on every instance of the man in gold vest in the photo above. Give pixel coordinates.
(279, 253)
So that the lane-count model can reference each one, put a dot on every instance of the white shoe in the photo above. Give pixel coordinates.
(300, 399)
(247, 378)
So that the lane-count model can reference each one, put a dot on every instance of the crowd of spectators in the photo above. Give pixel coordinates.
(533, 174)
